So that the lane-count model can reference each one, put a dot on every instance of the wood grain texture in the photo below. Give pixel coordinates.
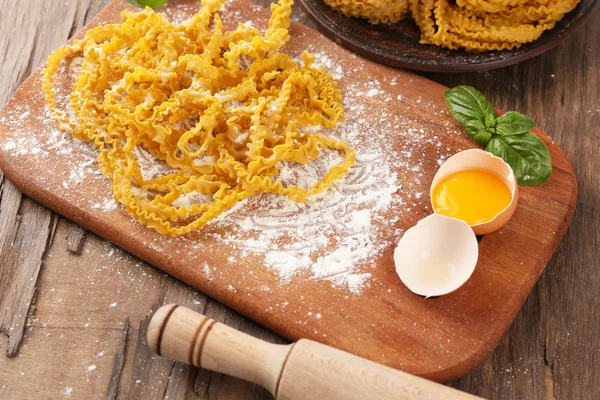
(76, 239)
(550, 351)
(25, 236)
(21, 260)
(113, 386)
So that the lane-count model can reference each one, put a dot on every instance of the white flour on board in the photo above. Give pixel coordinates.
(329, 235)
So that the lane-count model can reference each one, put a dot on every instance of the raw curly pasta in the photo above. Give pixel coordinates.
(481, 25)
(221, 108)
(474, 25)
(376, 11)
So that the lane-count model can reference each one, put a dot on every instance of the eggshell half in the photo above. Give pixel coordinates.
(451, 239)
(482, 160)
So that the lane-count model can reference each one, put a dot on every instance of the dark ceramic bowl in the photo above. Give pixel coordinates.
(398, 44)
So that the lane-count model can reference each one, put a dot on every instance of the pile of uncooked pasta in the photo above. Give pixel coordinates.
(221, 109)
(475, 25)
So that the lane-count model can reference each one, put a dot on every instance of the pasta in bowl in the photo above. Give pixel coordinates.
(473, 25)
(401, 43)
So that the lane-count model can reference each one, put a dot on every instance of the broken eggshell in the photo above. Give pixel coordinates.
(482, 160)
(436, 256)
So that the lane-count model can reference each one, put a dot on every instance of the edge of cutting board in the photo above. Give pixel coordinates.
(563, 172)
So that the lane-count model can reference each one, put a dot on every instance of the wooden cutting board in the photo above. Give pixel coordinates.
(396, 120)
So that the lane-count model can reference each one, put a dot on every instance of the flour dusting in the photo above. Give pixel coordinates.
(330, 234)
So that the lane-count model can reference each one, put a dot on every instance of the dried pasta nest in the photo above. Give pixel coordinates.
(221, 109)
(474, 25)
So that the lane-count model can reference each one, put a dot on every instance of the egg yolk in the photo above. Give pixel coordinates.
(474, 196)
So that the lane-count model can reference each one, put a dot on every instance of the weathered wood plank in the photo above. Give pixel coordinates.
(151, 374)
(9, 208)
(111, 391)
(24, 238)
(156, 377)
(21, 260)
(76, 238)
(76, 335)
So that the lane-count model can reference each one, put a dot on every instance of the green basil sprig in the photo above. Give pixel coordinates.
(148, 3)
(507, 136)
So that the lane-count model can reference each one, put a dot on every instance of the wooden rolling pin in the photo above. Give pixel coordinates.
(301, 370)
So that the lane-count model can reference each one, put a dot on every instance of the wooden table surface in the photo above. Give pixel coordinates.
(73, 308)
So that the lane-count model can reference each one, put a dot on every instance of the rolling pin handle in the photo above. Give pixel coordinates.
(184, 335)
(178, 336)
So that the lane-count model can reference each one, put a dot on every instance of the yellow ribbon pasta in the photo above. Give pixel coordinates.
(222, 109)
(376, 11)
(474, 25)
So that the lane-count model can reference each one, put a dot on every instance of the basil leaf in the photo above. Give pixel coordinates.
(148, 3)
(490, 121)
(478, 132)
(466, 104)
(526, 154)
(513, 123)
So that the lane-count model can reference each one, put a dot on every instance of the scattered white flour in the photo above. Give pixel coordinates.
(91, 368)
(107, 205)
(207, 270)
(68, 391)
(150, 166)
(335, 69)
(373, 92)
(330, 235)
(193, 197)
